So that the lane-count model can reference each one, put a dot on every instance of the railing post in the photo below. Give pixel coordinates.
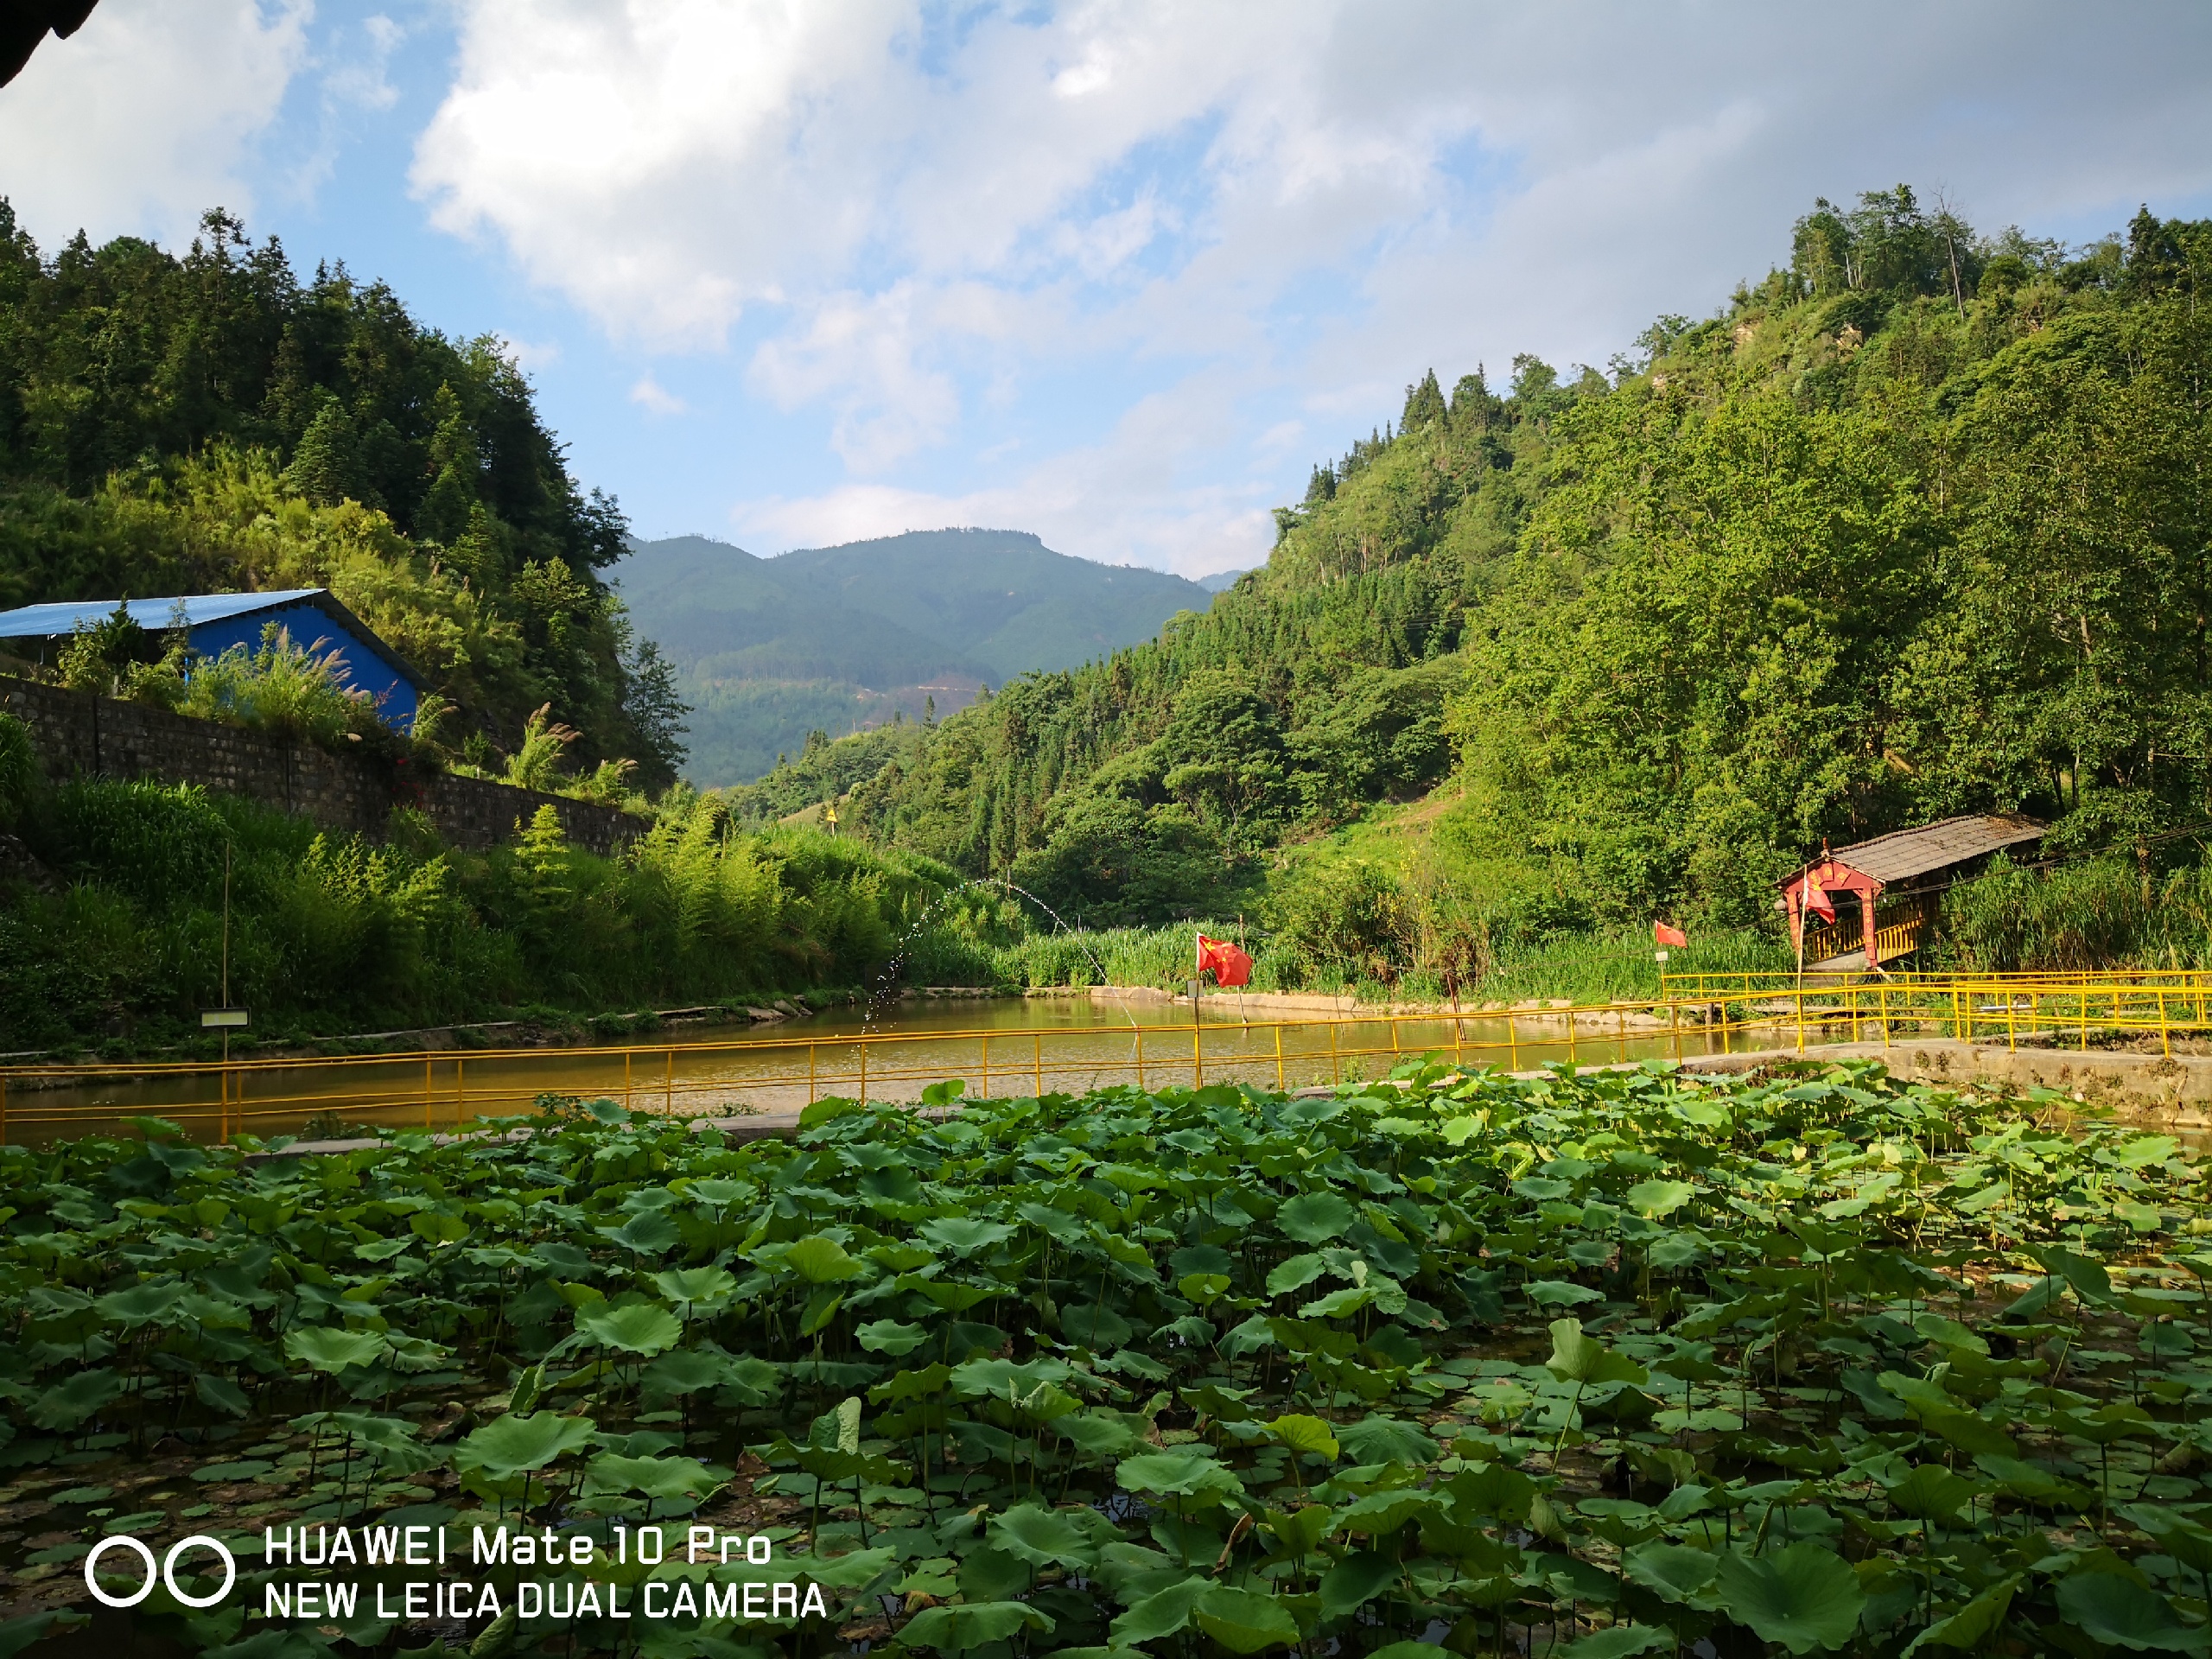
(1512, 1043)
(1280, 1086)
(1570, 1039)
(1198, 1056)
(1882, 1011)
(2165, 1031)
(2011, 1030)
(1332, 1052)
(1800, 995)
(1675, 1028)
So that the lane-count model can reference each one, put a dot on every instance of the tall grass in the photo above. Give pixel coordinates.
(2103, 912)
(1584, 967)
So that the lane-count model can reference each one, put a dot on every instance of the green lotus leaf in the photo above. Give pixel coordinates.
(69, 1403)
(1356, 1580)
(1385, 1439)
(1245, 1621)
(327, 1348)
(821, 1260)
(1675, 1571)
(518, 1443)
(1296, 1273)
(1652, 1200)
(1174, 1474)
(963, 1626)
(1041, 1537)
(1931, 1492)
(1314, 1217)
(1099, 1329)
(665, 1477)
(890, 1337)
(141, 1304)
(1618, 1641)
(1578, 1359)
(1306, 1435)
(649, 1232)
(1973, 1624)
(1160, 1614)
(690, 1287)
(1802, 1598)
(1099, 1434)
(641, 1328)
(2121, 1613)
(964, 1235)
(1560, 1292)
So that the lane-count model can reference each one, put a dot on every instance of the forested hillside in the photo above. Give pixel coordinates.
(211, 422)
(841, 639)
(1916, 525)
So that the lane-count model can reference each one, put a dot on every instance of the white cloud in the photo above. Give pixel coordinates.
(1277, 216)
(650, 394)
(145, 117)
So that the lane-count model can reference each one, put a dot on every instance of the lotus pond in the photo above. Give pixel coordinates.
(1595, 1365)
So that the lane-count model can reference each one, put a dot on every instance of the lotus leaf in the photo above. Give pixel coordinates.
(639, 1328)
(1314, 1217)
(518, 1443)
(1802, 1598)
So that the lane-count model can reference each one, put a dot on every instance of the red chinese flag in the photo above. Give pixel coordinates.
(1816, 898)
(1662, 934)
(1230, 966)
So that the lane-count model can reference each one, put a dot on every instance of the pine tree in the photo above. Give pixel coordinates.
(326, 468)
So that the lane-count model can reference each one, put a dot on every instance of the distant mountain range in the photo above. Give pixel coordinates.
(838, 638)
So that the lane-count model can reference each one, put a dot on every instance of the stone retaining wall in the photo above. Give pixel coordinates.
(81, 735)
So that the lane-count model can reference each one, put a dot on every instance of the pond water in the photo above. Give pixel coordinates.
(996, 1045)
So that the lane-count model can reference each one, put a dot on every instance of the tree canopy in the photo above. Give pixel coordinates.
(1917, 524)
(210, 421)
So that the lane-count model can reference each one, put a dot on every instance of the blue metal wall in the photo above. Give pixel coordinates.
(364, 668)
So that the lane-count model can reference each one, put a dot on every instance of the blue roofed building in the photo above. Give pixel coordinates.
(215, 622)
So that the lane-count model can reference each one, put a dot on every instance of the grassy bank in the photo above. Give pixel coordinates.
(112, 931)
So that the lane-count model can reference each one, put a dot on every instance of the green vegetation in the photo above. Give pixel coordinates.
(210, 423)
(838, 638)
(1915, 525)
(1634, 1361)
(115, 933)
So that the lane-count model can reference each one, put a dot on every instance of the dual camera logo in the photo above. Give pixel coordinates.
(166, 1574)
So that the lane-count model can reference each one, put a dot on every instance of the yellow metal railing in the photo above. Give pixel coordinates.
(1709, 1013)
(1776, 981)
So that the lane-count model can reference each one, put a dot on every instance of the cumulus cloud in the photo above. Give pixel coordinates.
(1275, 215)
(147, 116)
(649, 393)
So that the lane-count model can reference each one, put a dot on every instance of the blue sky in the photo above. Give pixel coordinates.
(790, 272)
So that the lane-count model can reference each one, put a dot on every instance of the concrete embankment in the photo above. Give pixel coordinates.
(2173, 1091)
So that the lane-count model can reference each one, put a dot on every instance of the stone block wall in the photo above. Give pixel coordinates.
(80, 735)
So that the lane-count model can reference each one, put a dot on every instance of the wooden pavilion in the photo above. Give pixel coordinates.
(1859, 906)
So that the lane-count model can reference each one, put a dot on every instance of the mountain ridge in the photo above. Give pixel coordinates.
(841, 639)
